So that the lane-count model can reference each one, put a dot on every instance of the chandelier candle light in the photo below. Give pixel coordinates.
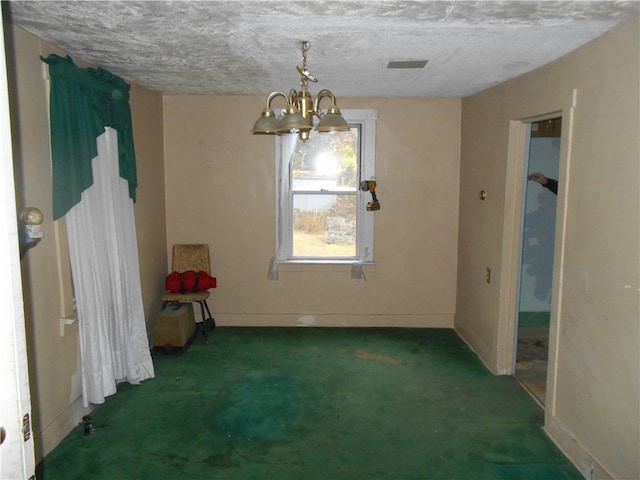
(298, 115)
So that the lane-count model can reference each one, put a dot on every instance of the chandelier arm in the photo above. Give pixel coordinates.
(273, 95)
(316, 103)
(292, 99)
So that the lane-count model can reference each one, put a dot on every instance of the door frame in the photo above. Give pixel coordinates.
(512, 243)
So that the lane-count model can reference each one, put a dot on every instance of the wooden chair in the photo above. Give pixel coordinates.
(192, 257)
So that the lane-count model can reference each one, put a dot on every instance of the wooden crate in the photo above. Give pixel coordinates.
(175, 328)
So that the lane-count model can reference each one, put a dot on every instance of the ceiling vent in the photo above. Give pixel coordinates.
(407, 64)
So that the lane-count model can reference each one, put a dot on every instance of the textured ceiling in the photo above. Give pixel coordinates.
(253, 47)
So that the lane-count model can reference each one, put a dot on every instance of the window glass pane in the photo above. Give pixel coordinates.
(321, 209)
(324, 225)
(326, 162)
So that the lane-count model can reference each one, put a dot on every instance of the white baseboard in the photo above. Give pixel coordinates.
(483, 351)
(50, 436)
(333, 320)
(586, 464)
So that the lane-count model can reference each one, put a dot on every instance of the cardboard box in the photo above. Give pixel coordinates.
(175, 327)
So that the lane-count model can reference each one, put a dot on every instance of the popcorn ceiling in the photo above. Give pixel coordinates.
(253, 47)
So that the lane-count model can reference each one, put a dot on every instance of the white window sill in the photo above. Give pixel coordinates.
(324, 262)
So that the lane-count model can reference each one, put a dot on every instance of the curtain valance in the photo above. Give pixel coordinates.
(82, 103)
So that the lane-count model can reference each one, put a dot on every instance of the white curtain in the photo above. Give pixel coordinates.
(285, 145)
(104, 260)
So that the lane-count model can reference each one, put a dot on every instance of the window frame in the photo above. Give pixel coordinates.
(366, 120)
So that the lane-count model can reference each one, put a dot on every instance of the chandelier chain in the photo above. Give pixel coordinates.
(303, 78)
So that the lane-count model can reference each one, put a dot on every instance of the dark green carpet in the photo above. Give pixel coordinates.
(534, 319)
(316, 403)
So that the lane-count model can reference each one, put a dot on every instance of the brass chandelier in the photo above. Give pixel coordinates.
(297, 117)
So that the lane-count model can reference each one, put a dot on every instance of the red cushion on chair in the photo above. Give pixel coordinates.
(189, 281)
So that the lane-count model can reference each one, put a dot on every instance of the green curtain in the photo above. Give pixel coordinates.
(83, 102)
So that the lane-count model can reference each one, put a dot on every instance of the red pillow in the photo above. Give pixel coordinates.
(189, 281)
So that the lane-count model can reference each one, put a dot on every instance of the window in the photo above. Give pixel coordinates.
(322, 214)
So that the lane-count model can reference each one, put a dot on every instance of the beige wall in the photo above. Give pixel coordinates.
(146, 115)
(220, 190)
(53, 354)
(592, 401)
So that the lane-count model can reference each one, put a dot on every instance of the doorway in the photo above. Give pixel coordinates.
(536, 264)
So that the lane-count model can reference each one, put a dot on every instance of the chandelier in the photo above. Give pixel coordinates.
(297, 117)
